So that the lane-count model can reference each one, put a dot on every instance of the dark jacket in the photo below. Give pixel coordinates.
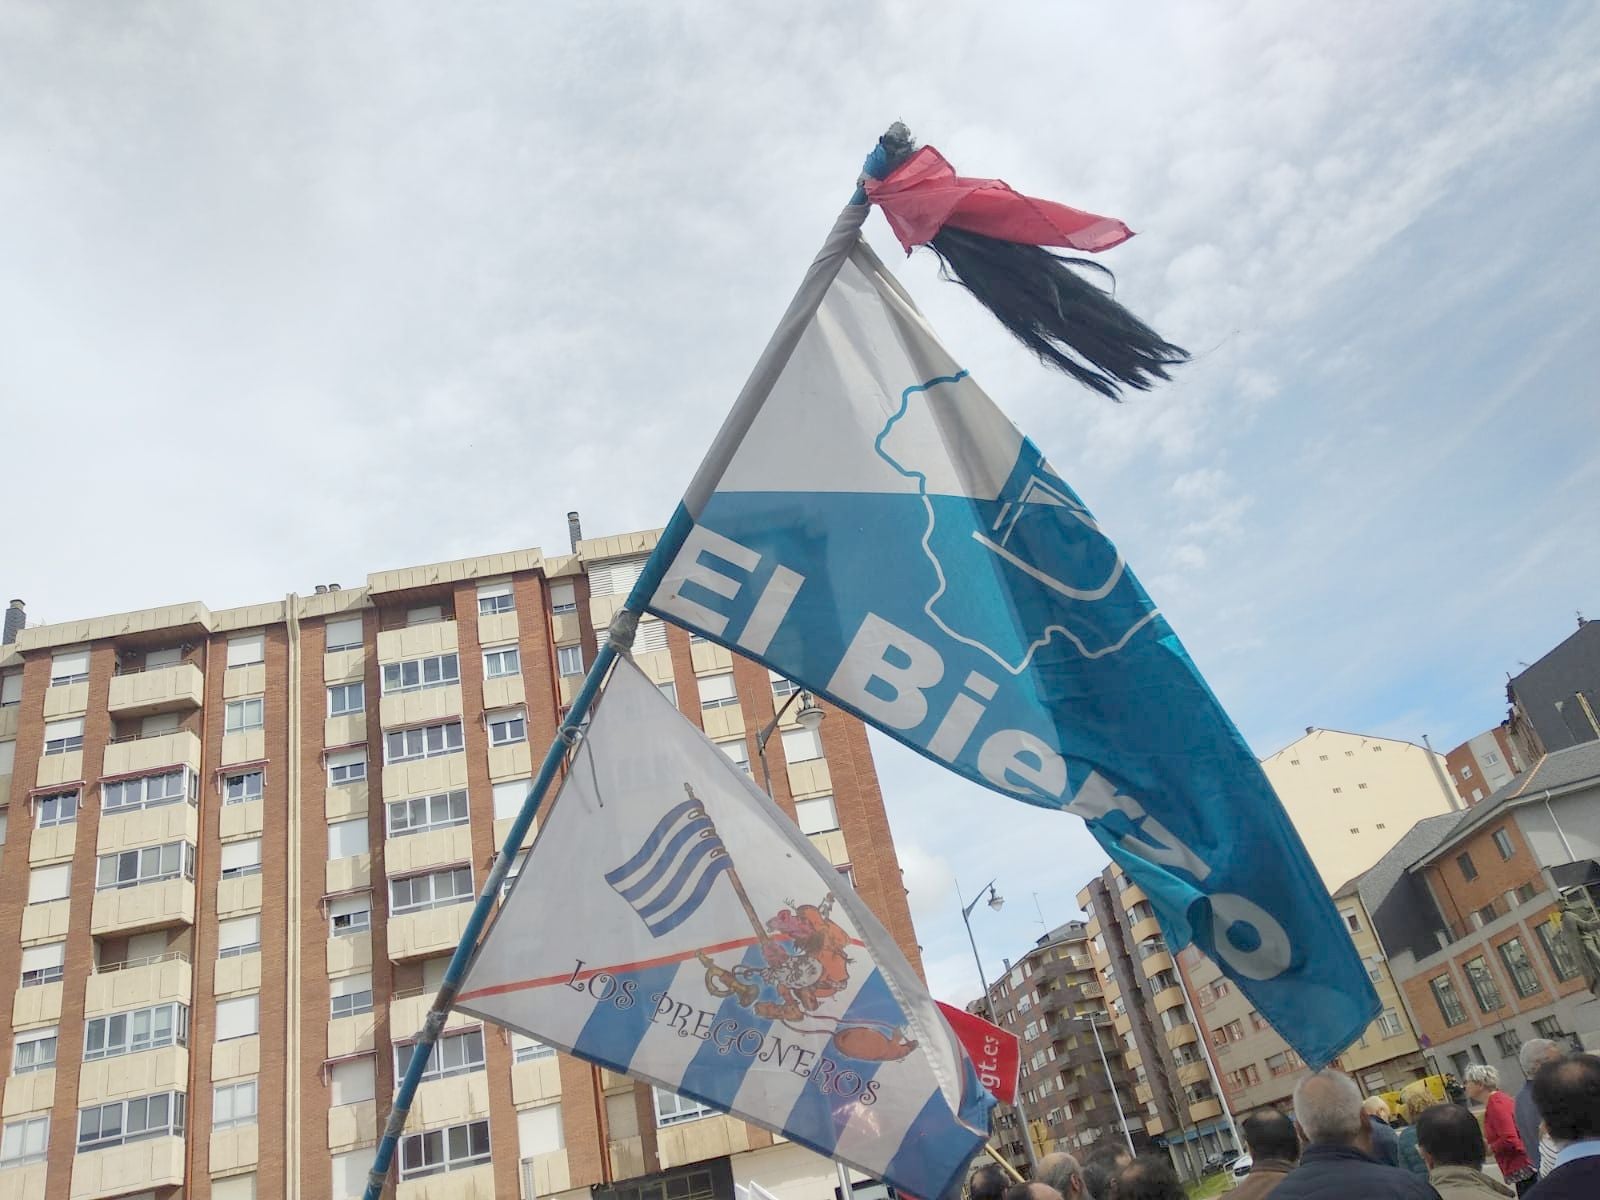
(1265, 1176)
(1385, 1143)
(1528, 1123)
(1410, 1156)
(1578, 1180)
(1344, 1173)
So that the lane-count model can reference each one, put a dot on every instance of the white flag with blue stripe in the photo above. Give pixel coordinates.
(869, 524)
(673, 924)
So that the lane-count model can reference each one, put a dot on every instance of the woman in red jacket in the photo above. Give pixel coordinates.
(1500, 1127)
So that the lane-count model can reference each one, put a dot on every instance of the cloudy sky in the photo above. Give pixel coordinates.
(299, 291)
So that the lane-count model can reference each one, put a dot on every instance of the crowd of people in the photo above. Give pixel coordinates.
(1339, 1146)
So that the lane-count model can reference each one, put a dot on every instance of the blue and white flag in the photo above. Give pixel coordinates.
(720, 956)
(870, 525)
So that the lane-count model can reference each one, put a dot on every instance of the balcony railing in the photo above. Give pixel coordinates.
(148, 960)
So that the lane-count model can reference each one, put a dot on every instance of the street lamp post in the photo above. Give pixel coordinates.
(1094, 1028)
(810, 717)
(996, 902)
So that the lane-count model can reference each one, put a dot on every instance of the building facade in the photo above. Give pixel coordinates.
(1483, 764)
(1173, 1080)
(1466, 911)
(1075, 1071)
(239, 847)
(1555, 703)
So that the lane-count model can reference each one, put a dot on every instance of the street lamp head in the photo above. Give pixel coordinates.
(996, 900)
(810, 715)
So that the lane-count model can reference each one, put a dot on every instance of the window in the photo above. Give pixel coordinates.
(233, 1104)
(670, 691)
(563, 598)
(1389, 1023)
(152, 864)
(344, 634)
(518, 861)
(1549, 1027)
(350, 914)
(1280, 1064)
(507, 727)
(346, 839)
(508, 797)
(246, 651)
(426, 614)
(25, 1141)
(1258, 1022)
(1466, 771)
(69, 667)
(418, 674)
(8, 757)
(1508, 1043)
(1502, 843)
(346, 766)
(816, 815)
(501, 661)
(495, 598)
(1352, 921)
(1562, 961)
(615, 578)
(10, 689)
(423, 813)
(49, 883)
(1484, 988)
(350, 995)
(241, 716)
(346, 698)
(527, 1049)
(716, 691)
(63, 737)
(58, 809)
(124, 1121)
(1374, 968)
(738, 752)
(569, 660)
(1464, 861)
(801, 745)
(436, 889)
(1487, 913)
(1526, 892)
(241, 858)
(350, 1174)
(1524, 980)
(353, 1081)
(455, 1053)
(234, 1187)
(238, 1017)
(237, 789)
(441, 1150)
(671, 1108)
(427, 741)
(1444, 995)
(147, 791)
(35, 1050)
(781, 687)
(43, 964)
(239, 935)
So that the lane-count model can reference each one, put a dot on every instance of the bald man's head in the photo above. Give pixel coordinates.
(1327, 1107)
(1032, 1191)
(1061, 1171)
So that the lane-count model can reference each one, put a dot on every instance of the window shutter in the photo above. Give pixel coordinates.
(243, 651)
(346, 839)
(715, 687)
(342, 633)
(508, 797)
(170, 657)
(801, 745)
(8, 757)
(71, 727)
(238, 1017)
(651, 636)
(42, 958)
(241, 854)
(240, 931)
(234, 1187)
(563, 595)
(350, 1174)
(349, 985)
(73, 662)
(11, 688)
(539, 1130)
(345, 906)
(346, 758)
(352, 1082)
(487, 591)
(49, 883)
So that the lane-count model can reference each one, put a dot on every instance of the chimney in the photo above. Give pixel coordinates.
(321, 588)
(16, 618)
(574, 530)
(333, 587)
(1311, 728)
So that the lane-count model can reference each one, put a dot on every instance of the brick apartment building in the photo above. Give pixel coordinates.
(1483, 764)
(239, 846)
(1464, 906)
(1052, 1000)
(1177, 1102)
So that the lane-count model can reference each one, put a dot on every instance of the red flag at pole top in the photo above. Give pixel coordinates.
(924, 195)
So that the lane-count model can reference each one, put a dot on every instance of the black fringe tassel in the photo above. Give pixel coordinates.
(1069, 322)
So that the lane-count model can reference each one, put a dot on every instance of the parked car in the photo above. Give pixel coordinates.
(1242, 1165)
(1218, 1162)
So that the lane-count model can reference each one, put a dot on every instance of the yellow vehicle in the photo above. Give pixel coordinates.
(1433, 1085)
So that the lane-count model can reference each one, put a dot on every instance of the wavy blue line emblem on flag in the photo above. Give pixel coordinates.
(870, 525)
(668, 880)
(723, 958)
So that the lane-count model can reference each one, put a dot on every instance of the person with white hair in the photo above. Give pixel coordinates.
(1500, 1126)
(1336, 1163)
(1534, 1054)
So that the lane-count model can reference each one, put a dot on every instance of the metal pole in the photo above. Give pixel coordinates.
(1094, 1028)
(766, 735)
(845, 1190)
(1205, 1053)
(988, 1001)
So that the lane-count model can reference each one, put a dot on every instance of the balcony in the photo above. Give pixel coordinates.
(1183, 1035)
(29, 1094)
(472, 1183)
(352, 1125)
(142, 907)
(425, 776)
(36, 1005)
(451, 1101)
(536, 1082)
(696, 1141)
(427, 933)
(123, 1170)
(1191, 1073)
(408, 1010)
(1157, 962)
(400, 710)
(124, 1076)
(418, 641)
(544, 1175)
(1205, 1110)
(1132, 894)
(135, 755)
(179, 688)
(1166, 998)
(1145, 929)
(139, 983)
(1144, 1093)
(174, 821)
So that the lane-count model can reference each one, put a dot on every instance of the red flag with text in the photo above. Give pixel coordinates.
(996, 1053)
